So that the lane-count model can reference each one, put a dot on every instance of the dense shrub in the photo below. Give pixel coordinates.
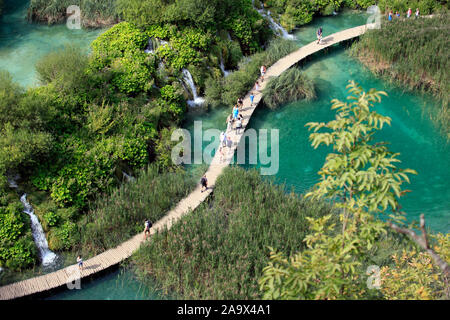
(235, 16)
(291, 85)
(17, 249)
(63, 237)
(219, 250)
(121, 50)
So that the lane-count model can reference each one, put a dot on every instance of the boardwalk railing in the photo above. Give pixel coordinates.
(70, 275)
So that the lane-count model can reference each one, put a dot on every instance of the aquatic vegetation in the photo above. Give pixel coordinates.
(414, 53)
(218, 251)
(94, 13)
(291, 85)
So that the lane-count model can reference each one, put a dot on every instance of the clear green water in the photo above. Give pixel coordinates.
(116, 285)
(412, 133)
(22, 44)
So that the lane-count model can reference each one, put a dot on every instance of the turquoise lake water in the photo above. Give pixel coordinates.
(22, 44)
(119, 284)
(412, 133)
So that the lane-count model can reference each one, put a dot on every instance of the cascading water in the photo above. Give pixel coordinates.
(222, 67)
(128, 177)
(273, 25)
(187, 77)
(150, 47)
(47, 256)
(153, 44)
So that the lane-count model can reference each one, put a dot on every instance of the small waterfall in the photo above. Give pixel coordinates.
(150, 46)
(153, 44)
(273, 25)
(222, 67)
(47, 256)
(128, 177)
(12, 181)
(187, 77)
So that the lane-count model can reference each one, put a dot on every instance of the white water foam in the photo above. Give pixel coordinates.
(47, 256)
(187, 77)
(273, 25)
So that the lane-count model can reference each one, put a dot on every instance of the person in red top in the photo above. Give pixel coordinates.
(409, 13)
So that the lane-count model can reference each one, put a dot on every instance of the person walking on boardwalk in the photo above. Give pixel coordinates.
(417, 12)
(221, 152)
(251, 99)
(390, 16)
(319, 35)
(204, 183)
(235, 112)
(80, 262)
(147, 226)
(409, 13)
(229, 144)
(222, 138)
(238, 125)
(240, 103)
(257, 86)
(263, 72)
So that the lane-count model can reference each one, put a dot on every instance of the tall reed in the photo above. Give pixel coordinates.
(218, 251)
(414, 53)
(291, 85)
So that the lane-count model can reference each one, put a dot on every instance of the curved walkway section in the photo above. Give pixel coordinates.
(71, 275)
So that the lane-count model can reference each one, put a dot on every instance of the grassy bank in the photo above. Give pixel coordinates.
(414, 53)
(218, 251)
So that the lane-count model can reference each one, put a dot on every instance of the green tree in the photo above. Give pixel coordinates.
(361, 175)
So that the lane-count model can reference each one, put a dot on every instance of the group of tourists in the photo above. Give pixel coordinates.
(408, 14)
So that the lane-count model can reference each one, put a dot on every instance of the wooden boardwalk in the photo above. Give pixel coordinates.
(69, 275)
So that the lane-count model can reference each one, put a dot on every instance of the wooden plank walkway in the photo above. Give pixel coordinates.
(114, 256)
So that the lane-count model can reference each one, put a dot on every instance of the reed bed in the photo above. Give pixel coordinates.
(118, 217)
(414, 53)
(291, 85)
(94, 13)
(219, 250)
